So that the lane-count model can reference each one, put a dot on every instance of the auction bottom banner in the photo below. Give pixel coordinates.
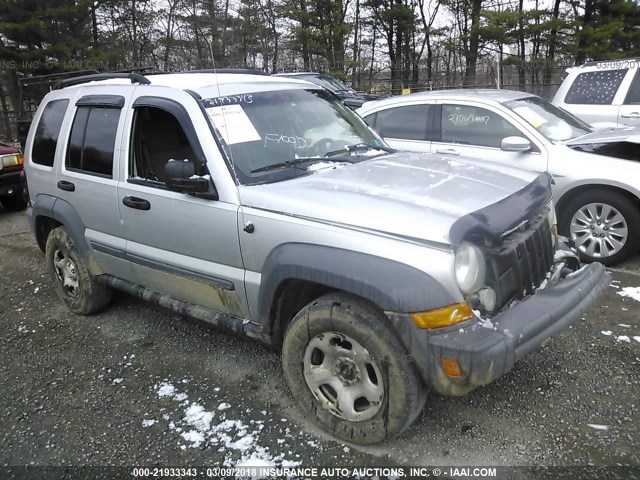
(321, 472)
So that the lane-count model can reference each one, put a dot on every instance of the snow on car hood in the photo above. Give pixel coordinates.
(610, 135)
(408, 194)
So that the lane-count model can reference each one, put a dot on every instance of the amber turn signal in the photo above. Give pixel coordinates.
(443, 317)
(451, 367)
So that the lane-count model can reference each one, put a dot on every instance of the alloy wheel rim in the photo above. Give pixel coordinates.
(599, 230)
(66, 273)
(343, 376)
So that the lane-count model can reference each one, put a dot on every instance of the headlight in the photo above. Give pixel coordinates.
(12, 160)
(470, 268)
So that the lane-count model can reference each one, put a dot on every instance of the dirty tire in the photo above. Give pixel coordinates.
(626, 208)
(14, 203)
(87, 295)
(403, 394)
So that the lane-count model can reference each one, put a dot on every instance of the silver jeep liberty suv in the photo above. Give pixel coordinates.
(264, 206)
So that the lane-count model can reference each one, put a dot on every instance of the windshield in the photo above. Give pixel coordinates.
(276, 135)
(332, 84)
(555, 124)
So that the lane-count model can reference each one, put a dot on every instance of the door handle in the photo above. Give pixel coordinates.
(137, 203)
(448, 151)
(66, 186)
(631, 115)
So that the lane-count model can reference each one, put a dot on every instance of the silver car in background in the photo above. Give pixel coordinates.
(596, 173)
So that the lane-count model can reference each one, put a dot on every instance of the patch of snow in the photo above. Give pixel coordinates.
(322, 165)
(606, 332)
(631, 292)
(116, 381)
(597, 426)
(211, 429)
(166, 389)
(485, 322)
(521, 224)
(637, 338)
(623, 338)
(196, 438)
(148, 423)
(624, 325)
(36, 290)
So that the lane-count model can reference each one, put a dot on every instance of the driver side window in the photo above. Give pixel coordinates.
(157, 138)
(470, 125)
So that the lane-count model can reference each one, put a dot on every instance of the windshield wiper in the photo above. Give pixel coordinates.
(295, 162)
(358, 147)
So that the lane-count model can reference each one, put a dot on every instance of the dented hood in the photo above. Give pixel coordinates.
(419, 196)
(610, 135)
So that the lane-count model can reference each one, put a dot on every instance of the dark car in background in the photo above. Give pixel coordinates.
(348, 95)
(11, 186)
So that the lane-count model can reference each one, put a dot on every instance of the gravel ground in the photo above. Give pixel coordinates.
(137, 385)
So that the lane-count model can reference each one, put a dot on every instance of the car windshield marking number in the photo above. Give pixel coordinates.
(462, 119)
(299, 142)
(231, 100)
(233, 123)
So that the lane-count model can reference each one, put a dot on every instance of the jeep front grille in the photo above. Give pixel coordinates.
(521, 260)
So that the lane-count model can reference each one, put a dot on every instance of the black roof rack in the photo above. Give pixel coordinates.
(134, 77)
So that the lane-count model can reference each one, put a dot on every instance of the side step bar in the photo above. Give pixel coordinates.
(236, 325)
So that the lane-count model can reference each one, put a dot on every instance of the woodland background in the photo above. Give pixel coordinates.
(374, 45)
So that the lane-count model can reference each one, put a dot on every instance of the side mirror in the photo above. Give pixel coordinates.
(180, 176)
(515, 144)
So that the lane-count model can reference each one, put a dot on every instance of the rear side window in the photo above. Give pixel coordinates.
(46, 138)
(633, 95)
(92, 141)
(595, 88)
(406, 123)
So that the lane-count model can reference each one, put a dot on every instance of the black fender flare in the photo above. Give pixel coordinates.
(391, 285)
(63, 212)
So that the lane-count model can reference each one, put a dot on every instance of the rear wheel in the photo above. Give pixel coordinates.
(73, 283)
(349, 372)
(604, 224)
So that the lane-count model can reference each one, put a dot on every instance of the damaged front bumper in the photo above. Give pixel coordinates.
(487, 349)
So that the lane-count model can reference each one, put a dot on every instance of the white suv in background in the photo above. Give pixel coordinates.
(603, 92)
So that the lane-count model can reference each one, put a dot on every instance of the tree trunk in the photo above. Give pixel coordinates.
(589, 10)
(553, 39)
(355, 77)
(474, 44)
(522, 79)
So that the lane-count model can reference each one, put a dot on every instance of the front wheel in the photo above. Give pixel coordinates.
(73, 283)
(348, 370)
(604, 225)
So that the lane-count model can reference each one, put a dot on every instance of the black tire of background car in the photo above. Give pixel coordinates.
(405, 394)
(14, 203)
(92, 295)
(618, 201)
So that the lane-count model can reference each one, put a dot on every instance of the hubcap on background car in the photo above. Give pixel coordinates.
(343, 376)
(66, 273)
(599, 230)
